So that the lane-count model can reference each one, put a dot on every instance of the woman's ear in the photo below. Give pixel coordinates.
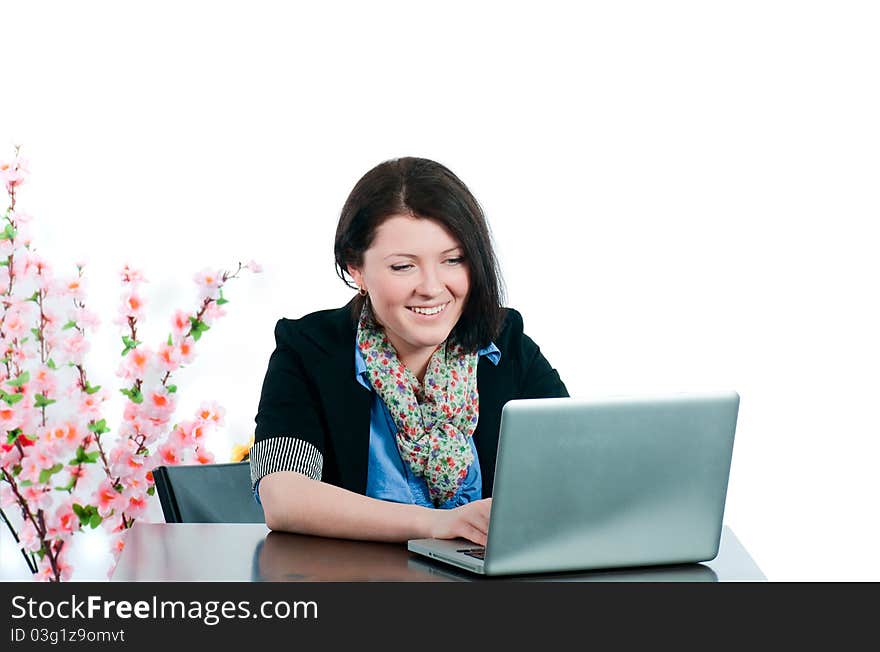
(356, 276)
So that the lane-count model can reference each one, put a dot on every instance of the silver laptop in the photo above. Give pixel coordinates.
(584, 484)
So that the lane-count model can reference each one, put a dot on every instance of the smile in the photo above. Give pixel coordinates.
(428, 311)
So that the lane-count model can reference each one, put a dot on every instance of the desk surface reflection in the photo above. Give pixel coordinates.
(186, 552)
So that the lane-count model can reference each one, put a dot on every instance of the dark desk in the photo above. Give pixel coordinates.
(185, 552)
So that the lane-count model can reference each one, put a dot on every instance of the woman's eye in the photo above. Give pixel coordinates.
(401, 268)
(455, 261)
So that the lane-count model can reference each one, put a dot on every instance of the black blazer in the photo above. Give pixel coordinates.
(314, 417)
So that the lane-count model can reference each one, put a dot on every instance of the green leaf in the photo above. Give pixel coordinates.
(170, 341)
(198, 327)
(51, 364)
(92, 390)
(129, 344)
(82, 513)
(20, 380)
(95, 520)
(171, 388)
(11, 399)
(133, 394)
(221, 300)
(91, 458)
(37, 335)
(4, 263)
(9, 233)
(41, 401)
(69, 486)
(34, 297)
(151, 491)
(45, 474)
(80, 456)
(69, 325)
(100, 427)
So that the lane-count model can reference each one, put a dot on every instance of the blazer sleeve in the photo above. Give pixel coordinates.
(289, 434)
(538, 378)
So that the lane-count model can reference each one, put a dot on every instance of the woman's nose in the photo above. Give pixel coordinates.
(430, 284)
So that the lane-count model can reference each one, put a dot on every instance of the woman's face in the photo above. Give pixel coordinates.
(418, 282)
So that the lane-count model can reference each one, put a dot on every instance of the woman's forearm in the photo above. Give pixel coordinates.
(293, 502)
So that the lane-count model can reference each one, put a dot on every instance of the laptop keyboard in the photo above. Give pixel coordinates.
(478, 553)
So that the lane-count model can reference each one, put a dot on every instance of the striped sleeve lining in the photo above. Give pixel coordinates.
(285, 454)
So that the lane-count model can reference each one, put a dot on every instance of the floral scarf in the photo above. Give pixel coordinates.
(434, 420)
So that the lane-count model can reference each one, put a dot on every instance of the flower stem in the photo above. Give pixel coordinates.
(30, 562)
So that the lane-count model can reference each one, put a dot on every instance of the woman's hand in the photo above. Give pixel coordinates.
(469, 522)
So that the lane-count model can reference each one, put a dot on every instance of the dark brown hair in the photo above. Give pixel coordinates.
(427, 190)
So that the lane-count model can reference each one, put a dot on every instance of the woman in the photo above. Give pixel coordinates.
(379, 420)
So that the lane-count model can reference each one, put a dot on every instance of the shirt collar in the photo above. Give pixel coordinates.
(360, 366)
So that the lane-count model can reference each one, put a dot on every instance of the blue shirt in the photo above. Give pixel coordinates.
(388, 478)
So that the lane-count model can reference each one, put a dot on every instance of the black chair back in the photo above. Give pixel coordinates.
(207, 493)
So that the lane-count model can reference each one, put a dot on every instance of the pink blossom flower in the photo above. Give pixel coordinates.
(64, 522)
(32, 265)
(75, 347)
(182, 436)
(13, 173)
(73, 288)
(132, 305)
(124, 462)
(14, 325)
(7, 497)
(168, 357)
(211, 411)
(204, 456)
(131, 275)
(89, 405)
(108, 498)
(10, 418)
(43, 381)
(33, 464)
(212, 313)
(37, 496)
(136, 363)
(199, 429)
(117, 543)
(169, 455)
(65, 437)
(254, 266)
(186, 350)
(136, 506)
(10, 456)
(29, 539)
(209, 282)
(180, 324)
(47, 574)
(136, 482)
(77, 471)
(85, 318)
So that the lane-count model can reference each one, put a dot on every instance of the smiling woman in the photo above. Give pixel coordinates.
(379, 420)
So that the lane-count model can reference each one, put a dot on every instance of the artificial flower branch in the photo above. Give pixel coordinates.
(52, 417)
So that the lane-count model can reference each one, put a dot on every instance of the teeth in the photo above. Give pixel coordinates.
(428, 311)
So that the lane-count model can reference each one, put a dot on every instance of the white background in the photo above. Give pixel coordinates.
(684, 196)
